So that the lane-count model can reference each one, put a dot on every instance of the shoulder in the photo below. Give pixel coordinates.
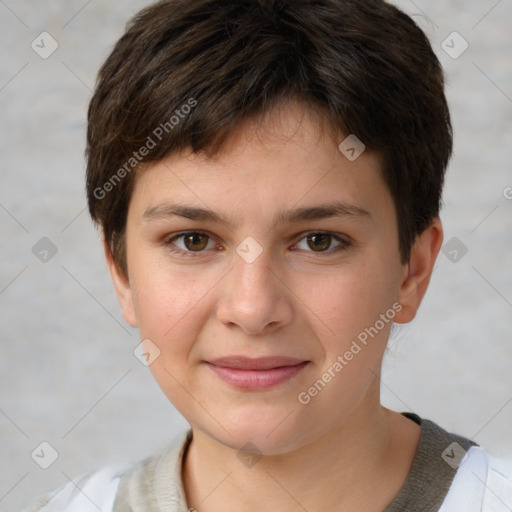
(498, 495)
(115, 488)
(482, 483)
(89, 493)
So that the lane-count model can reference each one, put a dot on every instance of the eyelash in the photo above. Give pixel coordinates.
(169, 243)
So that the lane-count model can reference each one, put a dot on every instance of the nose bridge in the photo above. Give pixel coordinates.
(254, 297)
(253, 264)
(253, 280)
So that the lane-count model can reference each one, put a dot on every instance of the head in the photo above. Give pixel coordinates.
(224, 120)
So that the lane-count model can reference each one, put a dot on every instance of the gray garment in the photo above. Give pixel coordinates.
(154, 485)
(431, 475)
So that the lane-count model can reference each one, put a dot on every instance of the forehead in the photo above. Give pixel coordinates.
(266, 166)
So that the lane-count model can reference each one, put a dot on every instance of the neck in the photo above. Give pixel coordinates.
(360, 466)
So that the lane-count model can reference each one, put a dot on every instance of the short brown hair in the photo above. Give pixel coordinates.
(187, 72)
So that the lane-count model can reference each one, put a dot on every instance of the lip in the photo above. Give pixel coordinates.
(259, 363)
(256, 374)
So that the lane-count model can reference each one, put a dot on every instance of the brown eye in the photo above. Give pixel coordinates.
(319, 242)
(191, 243)
(195, 241)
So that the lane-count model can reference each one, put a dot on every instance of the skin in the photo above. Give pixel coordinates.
(293, 300)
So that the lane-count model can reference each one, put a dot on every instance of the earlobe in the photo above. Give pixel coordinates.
(122, 287)
(417, 272)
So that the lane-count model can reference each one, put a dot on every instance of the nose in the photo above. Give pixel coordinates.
(255, 298)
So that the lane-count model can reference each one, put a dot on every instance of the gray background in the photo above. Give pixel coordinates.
(68, 373)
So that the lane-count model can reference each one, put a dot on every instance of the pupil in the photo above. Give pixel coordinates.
(193, 242)
(321, 242)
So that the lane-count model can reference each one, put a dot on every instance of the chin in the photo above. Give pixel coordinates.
(262, 435)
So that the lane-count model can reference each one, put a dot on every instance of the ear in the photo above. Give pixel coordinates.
(416, 273)
(122, 287)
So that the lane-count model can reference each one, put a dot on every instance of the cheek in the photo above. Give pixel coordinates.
(350, 299)
(172, 309)
(347, 306)
(170, 306)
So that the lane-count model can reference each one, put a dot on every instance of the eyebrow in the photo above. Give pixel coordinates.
(318, 212)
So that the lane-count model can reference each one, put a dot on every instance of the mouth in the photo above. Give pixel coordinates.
(256, 374)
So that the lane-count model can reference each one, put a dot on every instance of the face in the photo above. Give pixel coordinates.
(268, 278)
